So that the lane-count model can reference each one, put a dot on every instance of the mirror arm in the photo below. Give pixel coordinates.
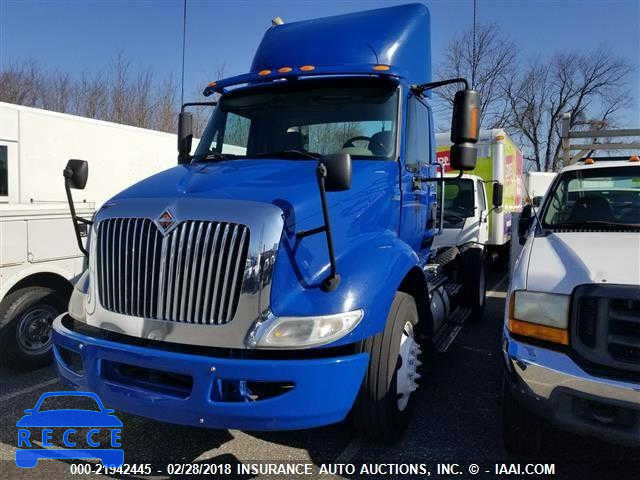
(440, 178)
(197, 104)
(420, 89)
(333, 280)
(74, 217)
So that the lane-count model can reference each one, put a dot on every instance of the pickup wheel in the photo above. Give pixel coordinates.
(475, 289)
(26, 316)
(384, 404)
(522, 431)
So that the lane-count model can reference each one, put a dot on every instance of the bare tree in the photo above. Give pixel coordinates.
(592, 85)
(487, 63)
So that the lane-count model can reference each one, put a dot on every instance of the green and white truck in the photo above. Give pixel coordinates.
(468, 216)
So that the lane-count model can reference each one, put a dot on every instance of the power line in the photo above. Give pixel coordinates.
(184, 34)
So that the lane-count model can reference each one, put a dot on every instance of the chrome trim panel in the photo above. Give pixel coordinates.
(265, 224)
(544, 370)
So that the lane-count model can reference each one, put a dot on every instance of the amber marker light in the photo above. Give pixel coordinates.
(307, 68)
(284, 69)
(264, 73)
(589, 161)
(381, 67)
(212, 84)
(634, 158)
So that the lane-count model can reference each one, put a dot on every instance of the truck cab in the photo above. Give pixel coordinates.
(466, 211)
(283, 275)
(571, 342)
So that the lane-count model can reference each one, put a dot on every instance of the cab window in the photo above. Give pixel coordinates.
(417, 145)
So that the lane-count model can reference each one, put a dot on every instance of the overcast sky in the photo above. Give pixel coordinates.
(79, 36)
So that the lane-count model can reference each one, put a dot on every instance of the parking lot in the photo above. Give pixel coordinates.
(457, 420)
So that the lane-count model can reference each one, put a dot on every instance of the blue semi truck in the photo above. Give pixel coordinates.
(282, 276)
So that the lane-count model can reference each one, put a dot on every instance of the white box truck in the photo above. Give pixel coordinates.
(39, 255)
(472, 213)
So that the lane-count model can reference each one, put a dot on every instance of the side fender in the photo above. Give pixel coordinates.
(371, 272)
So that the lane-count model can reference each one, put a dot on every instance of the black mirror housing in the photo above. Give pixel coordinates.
(185, 137)
(537, 201)
(524, 223)
(338, 167)
(76, 173)
(465, 125)
(496, 196)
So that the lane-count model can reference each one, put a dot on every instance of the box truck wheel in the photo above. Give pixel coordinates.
(522, 431)
(26, 316)
(383, 406)
(475, 276)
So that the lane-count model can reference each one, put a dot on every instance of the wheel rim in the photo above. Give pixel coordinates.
(34, 329)
(407, 375)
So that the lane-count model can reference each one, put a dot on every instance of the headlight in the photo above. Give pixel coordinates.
(78, 296)
(541, 315)
(303, 332)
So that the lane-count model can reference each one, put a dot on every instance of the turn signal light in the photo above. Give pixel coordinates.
(550, 334)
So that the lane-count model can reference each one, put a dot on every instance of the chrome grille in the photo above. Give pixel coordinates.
(192, 275)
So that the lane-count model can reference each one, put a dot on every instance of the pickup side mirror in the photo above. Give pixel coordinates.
(338, 176)
(537, 201)
(524, 223)
(464, 130)
(496, 196)
(76, 173)
(185, 137)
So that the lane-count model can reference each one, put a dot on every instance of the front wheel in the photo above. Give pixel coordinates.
(384, 404)
(26, 316)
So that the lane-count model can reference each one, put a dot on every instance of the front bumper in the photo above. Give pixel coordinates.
(323, 389)
(552, 385)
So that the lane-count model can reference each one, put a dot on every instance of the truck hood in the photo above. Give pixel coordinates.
(289, 184)
(561, 261)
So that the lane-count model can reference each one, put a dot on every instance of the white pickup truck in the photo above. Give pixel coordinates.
(571, 343)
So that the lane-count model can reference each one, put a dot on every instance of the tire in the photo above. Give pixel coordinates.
(475, 290)
(522, 431)
(26, 316)
(381, 412)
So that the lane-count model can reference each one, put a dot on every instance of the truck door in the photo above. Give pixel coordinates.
(483, 231)
(416, 196)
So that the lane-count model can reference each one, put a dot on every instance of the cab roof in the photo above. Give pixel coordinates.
(392, 41)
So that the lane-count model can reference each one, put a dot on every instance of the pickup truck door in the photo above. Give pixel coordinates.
(483, 210)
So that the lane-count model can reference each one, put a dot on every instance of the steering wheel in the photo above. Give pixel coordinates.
(363, 138)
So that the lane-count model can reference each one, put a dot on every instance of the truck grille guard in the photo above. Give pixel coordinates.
(193, 274)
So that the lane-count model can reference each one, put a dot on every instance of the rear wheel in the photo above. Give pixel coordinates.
(26, 316)
(384, 404)
(475, 282)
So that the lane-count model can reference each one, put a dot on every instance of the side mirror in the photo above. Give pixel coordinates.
(524, 223)
(338, 176)
(496, 196)
(537, 201)
(185, 136)
(465, 124)
(76, 173)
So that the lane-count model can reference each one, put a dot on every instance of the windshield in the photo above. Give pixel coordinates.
(599, 197)
(304, 120)
(459, 202)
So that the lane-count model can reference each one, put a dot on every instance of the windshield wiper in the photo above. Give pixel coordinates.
(216, 156)
(594, 223)
(289, 153)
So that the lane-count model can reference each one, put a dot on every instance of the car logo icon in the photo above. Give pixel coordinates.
(69, 421)
(165, 221)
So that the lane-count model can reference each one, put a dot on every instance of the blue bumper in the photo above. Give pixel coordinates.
(322, 389)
